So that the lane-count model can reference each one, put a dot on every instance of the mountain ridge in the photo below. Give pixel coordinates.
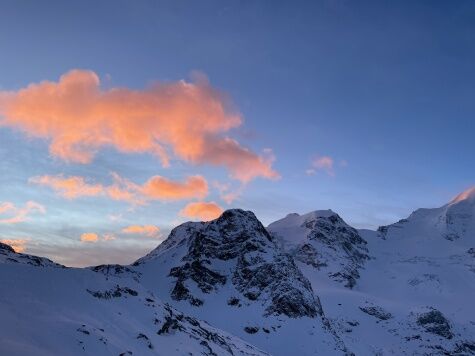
(309, 284)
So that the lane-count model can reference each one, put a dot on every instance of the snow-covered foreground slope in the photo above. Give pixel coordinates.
(49, 310)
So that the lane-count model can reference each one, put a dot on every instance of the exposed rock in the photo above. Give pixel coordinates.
(377, 312)
(323, 240)
(255, 278)
(465, 348)
(251, 329)
(435, 323)
(117, 292)
(116, 271)
(145, 339)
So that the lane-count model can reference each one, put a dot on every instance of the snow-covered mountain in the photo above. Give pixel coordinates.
(231, 272)
(414, 294)
(308, 285)
(322, 239)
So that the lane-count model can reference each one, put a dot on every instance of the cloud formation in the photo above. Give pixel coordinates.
(122, 189)
(71, 187)
(19, 245)
(227, 193)
(184, 120)
(202, 211)
(11, 214)
(89, 237)
(147, 230)
(164, 189)
(322, 163)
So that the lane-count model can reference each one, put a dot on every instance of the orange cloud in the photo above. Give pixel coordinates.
(108, 237)
(89, 237)
(147, 230)
(322, 163)
(185, 119)
(19, 245)
(11, 214)
(71, 187)
(161, 188)
(122, 189)
(202, 210)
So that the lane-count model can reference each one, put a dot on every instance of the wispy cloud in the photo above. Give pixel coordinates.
(11, 214)
(202, 210)
(122, 189)
(185, 120)
(147, 230)
(227, 193)
(69, 187)
(324, 164)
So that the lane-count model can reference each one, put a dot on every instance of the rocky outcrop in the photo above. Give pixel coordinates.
(324, 241)
(115, 270)
(434, 322)
(377, 312)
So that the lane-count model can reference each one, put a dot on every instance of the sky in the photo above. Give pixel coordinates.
(121, 119)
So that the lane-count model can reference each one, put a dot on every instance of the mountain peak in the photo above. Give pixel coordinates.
(6, 247)
(236, 214)
(468, 194)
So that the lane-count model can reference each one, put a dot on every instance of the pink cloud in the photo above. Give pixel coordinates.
(202, 211)
(122, 189)
(183, 120)
(11, 214)
(321, 163)
(147, 230)
(71, 187)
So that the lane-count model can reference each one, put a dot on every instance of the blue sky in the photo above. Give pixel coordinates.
(384, 89)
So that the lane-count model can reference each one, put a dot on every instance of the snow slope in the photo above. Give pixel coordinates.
(46, 310)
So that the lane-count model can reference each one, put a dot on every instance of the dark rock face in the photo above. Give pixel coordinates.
(206, 279)
(257, 268)
(465, 348)
(117, 292)
(251, 329)
(255, 278)
(116, 271)
(377, 312)
(435, 323)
